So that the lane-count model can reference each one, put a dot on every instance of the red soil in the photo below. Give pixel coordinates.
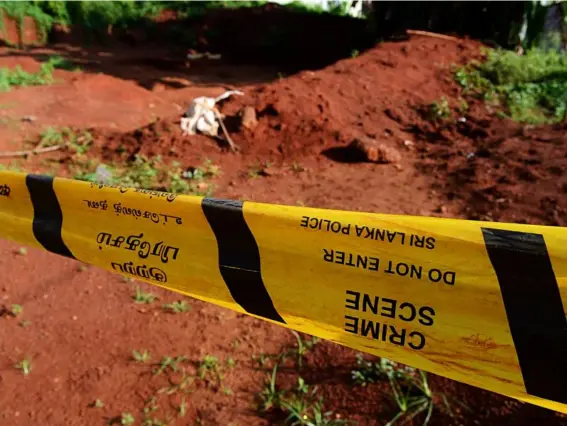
(84, 324)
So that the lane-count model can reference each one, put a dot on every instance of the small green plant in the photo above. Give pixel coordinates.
(412, 405)
(59, 62)
(16, 310)
(301, 404)
(230, 362)
(308, 413)
(372, 372)
(97, 403)
(209, 368)
(25, 366)
(25, 323)
(227, 391)
(354, 53)
(142, 297)
(439, 110)
(127, 419)
(303, 346)
(463, 106)
(182, 408)
(261, 359)
(258, 170)
(177, 307)
(297, 167)
(271, 396)
(169, 362)
(410, 387)
(141, 356)
(54, 136)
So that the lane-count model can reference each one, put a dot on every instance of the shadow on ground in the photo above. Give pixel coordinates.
(257, 45)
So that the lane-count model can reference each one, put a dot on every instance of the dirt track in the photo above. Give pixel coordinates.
(84, 325)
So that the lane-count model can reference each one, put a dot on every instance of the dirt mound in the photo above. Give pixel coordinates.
(314, 111)
(489, 168)
(501, 171)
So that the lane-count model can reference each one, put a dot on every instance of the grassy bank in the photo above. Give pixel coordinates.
(530, 88)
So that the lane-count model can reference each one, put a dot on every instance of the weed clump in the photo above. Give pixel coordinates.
(154, 174)
(17, 77)
(531, 88)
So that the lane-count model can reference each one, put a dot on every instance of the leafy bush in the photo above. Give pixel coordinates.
(531, 88)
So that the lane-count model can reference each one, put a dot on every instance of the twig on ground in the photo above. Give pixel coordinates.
(35, 151)
(233, 146)
(434, 35)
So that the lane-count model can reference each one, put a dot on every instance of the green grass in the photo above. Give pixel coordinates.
(439, 110)
(141, 356)
(153, 174)
(531, 88)
(61, 63)
(210, 369)
(16, 310)
(17, 77)
(97, 403)
(127, 419)
(142, 297)
(303, 346)
(25, 366)
(410, 388)
(77, 142)
(301, 404)
(177, 307)
(271, 395)
(168, 362)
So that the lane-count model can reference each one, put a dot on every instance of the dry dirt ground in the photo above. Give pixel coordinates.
(80, 325)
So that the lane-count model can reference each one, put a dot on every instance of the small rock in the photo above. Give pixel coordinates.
(408, 143)
(29, 118)
(249, 120)
(376, 152)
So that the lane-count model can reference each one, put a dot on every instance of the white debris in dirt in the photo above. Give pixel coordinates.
(203, 116)
(103, 175)
(192, 55)
(29, 118)
(408, 143)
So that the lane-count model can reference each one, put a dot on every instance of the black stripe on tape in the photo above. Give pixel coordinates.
(48, 217)
(534, 309)
(239, 257)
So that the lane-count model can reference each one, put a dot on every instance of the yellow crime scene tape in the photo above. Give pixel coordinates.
(478, 302)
